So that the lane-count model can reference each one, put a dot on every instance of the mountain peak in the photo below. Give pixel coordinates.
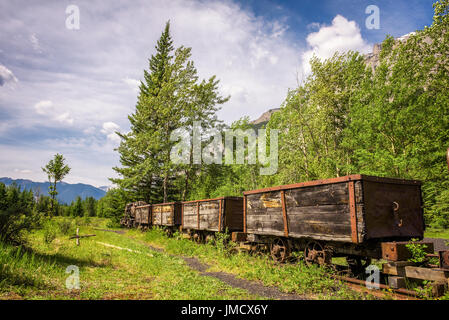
(265, 117)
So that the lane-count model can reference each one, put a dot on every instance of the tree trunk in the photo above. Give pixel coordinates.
(186, 185)
(165, 187)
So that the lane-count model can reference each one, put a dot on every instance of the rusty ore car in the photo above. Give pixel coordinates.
(347, 216)
(341, 217)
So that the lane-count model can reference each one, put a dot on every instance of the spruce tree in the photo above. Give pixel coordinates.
(170, 97)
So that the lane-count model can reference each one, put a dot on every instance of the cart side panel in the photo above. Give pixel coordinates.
(233, 214)
(190, 218)
(209, 215)
(393, 210)
(264, 213)
(320, 212)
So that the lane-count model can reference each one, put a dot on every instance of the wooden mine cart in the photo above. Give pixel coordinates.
(129, 218)
(346, 216)
(143, 216)
(167, 215)
(205, 217)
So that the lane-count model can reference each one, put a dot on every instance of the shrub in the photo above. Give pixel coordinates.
(49, 235)
(16, 214)
(417, 251)
(65, 226)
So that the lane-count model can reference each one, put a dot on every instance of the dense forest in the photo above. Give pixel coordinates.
(347, 117)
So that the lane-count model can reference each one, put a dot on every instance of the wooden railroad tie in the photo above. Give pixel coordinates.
(78, 237)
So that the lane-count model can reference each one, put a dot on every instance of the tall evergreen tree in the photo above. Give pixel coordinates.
(170, 98)
(77, 207)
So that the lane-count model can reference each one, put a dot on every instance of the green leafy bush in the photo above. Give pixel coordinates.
(65, 226)
(49, 235)
(418, 251)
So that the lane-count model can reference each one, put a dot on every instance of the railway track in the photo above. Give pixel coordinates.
(343, 274)
(383, 291)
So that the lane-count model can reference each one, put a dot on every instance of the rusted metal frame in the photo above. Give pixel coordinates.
(203, 200)
(219, 214)
(213, 199)
(284, 213)
(422, 212)
(165, 203)
(244, 213)
(182, 217)
(391, 180)
(354, 177)
(443, 257)
(353, 212)
(380, 285)
(144, 206)
(304, 184)
(198, 213)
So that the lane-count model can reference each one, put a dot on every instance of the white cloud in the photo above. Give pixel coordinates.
(64, 118)
(23, 171)
(6, 76)
(46, 108)
(132, 83)
(89, 131)
(109, 129)
(341, 36)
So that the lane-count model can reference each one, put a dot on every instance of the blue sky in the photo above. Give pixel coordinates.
(68, 91)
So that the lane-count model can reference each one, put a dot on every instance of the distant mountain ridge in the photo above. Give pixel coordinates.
(66, 192)
(264, 118)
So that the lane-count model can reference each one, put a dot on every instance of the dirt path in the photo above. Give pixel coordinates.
(253, 287)
(106, 230)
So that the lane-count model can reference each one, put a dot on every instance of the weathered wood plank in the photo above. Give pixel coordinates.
(318, 195)
(310, 228)
(396, 268)
(440, 275)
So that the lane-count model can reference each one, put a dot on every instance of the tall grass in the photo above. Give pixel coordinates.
(21, 268)
(290, 278)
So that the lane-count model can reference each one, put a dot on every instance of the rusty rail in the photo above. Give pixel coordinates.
(362, 283)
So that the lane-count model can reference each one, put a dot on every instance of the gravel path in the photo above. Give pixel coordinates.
(253, 287)
(438, 244)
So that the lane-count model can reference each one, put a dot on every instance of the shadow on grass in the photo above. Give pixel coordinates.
(23, 268)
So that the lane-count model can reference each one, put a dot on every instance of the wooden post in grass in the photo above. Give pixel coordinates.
(78, 237)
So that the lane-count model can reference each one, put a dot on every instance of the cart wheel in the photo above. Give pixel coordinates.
(280, 250)
(198, 237)
(169, 232)
(315, 253)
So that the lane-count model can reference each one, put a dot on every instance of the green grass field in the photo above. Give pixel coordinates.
(126, 266)
(437, 233)
(104, 272)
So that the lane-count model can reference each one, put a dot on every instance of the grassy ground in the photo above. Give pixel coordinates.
(123, 266)
(105, 272)
(313, 282)
(437, 233)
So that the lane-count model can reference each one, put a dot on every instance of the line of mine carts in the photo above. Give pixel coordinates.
(358, 217)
